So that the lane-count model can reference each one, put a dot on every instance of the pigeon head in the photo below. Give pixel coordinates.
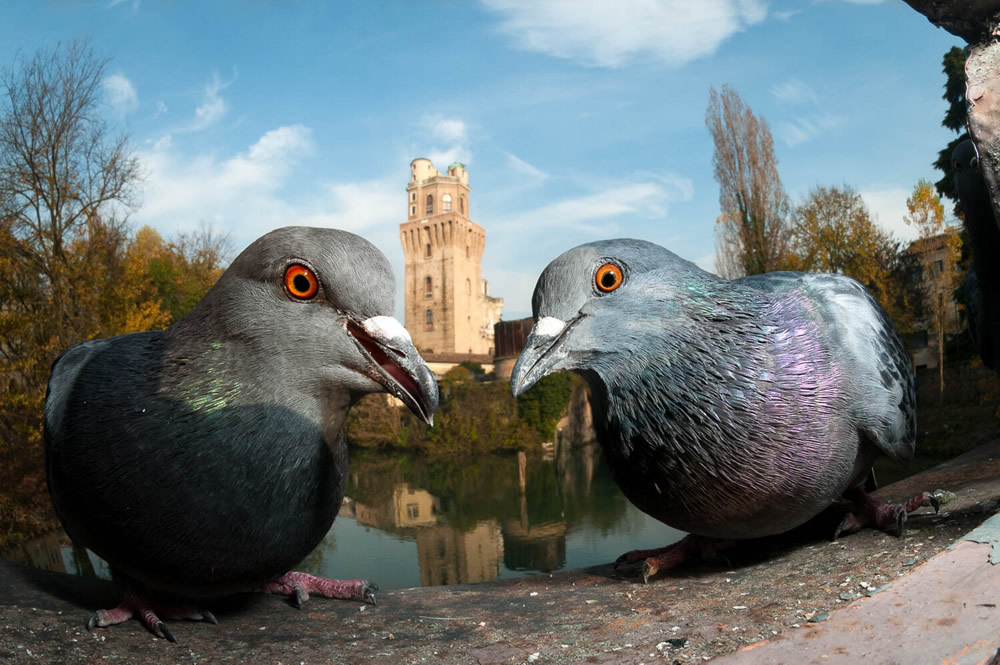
(314, 306)
(596, 304)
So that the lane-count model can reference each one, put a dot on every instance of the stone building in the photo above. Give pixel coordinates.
(449, 311)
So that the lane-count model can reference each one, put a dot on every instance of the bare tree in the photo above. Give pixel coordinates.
(61, 172)
(752, 231)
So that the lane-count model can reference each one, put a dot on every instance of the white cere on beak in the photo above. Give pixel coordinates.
(384, 328)
(549, 326)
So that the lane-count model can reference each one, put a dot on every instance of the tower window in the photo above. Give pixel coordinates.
(427, 251)
(430, 204)
(413, 196)
(467, 251)
(468, 285)
(429, 318)
(413, 210)
(428, 284)
(446, 202)
(461, 204)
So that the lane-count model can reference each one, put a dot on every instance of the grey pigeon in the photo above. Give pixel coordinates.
(727, 409)
(210, 457)
(982, 282)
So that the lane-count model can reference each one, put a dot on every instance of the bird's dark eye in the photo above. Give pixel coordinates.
(301, 282)
(608, 278)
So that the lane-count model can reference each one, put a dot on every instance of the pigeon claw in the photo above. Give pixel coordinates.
(625, 558)
(164, 632)
(649, 569)
(900, 521)
(299, 596)
(149, 611)
(368, 593)
(300, 585)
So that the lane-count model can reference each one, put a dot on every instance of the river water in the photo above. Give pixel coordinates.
(410, 521)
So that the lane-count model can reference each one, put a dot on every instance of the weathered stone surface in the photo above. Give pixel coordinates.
(768, 590)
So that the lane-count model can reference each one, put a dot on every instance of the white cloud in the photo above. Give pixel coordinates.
(451, 130)
(121, 93)
(594, 214)
(706, 262)
(794, 91)
(608, 34)
(239, 192)
(801, 129)
(161, 108)
(887, 206)
(441, 158)
(520, 166)
(453, 133)
(786, 14)
(212, 107)
(260, 189)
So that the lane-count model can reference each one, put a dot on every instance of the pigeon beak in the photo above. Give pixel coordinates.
(393, 361)
(543, 351)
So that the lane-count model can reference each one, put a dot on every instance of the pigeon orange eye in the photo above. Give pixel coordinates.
(608, 278)
(300, 281)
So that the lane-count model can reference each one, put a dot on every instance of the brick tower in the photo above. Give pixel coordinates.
(448, 306)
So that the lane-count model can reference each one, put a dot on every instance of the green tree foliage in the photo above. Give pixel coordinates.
(473, 417)
(545, 403)
(955, 118)
(475, 368)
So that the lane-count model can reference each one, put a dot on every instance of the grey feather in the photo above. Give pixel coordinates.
(729, 409)
(210, 457)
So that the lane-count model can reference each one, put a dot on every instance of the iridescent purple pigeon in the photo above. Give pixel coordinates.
(730, 409)
(210, 457)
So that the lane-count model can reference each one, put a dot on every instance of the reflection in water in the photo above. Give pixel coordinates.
(412, 521)
(495, 516)
(54, 551)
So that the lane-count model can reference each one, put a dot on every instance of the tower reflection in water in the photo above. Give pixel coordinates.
(411, 521)
(482, 519)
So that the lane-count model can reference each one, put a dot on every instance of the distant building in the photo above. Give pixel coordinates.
(449, 311)
(508, 339)
(931, 252)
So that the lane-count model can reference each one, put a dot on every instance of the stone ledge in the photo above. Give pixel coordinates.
(789, 598)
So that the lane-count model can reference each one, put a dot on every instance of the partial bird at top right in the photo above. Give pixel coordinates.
(730, 409)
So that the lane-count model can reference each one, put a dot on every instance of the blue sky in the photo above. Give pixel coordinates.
(577, 119)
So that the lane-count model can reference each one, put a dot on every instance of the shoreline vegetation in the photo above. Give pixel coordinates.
(476, 415)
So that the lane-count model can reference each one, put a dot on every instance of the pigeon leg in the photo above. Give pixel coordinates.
(689, 548)
(149, 612)
(889, 517)
(300, 585)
